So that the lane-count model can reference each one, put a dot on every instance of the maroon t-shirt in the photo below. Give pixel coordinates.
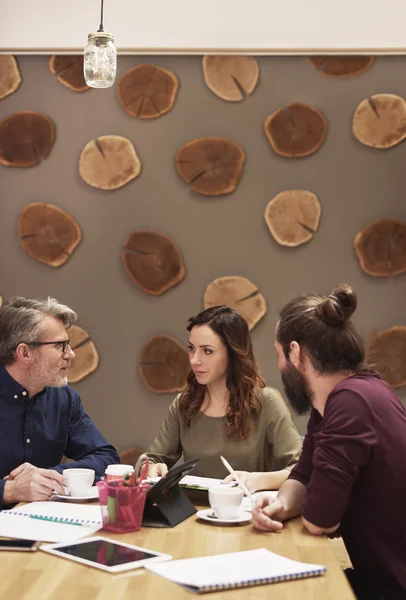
(354, 466)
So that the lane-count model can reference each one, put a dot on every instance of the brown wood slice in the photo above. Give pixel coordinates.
(48, 234)
(296, 130)
(381, 248)
(164, 365)
(386, 351)
(153, 261)
(86, 356)
(380, 121)
(293, 217)
(211, 166)
(239, 293)
(26, 138)
(147, 91)
(10, 76)
(109, 162)
(231, 78)
(69, 71)
(341, 66)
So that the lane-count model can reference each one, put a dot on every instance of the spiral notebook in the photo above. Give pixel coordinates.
(234, 570)
(50, 521)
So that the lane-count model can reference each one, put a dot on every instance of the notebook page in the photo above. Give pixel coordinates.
(228, 569)
(203, 482)
(24, 528)
(62, 510)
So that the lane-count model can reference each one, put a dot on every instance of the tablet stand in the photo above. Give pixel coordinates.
(166, 504)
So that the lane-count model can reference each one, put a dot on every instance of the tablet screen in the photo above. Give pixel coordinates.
(106, 553)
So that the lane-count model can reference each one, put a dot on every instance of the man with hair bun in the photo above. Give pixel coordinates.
(351, 476)
(42, 418)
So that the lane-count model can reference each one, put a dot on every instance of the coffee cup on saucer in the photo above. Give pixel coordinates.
(78, 481)
(226, 501)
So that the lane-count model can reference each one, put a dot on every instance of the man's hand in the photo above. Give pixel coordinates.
(28, 483)
(268, 514)
(157, 470)
(252, 481)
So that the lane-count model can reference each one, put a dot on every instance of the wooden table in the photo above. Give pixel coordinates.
(40, 576)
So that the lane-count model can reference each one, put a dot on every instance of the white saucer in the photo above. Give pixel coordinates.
(208, 515)
(92, 495)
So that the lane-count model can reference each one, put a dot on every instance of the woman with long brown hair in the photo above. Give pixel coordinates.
(226, 410)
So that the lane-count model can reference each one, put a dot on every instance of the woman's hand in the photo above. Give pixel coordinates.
(252, 481)
(157, 470)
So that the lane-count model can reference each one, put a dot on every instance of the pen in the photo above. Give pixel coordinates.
(56, 520)
(237, 479)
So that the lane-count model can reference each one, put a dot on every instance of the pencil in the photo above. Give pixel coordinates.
(237, 479)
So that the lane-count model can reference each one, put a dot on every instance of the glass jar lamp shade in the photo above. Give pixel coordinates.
(100, 60)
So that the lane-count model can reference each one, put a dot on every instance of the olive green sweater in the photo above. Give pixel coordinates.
(273, 444)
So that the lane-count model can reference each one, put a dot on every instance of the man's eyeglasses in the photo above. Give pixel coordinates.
(63, 344)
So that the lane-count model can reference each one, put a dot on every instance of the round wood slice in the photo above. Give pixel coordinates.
(48, 234)
(211, 166)
(26, 138)
(293, 217)
(386, 351)
(341, 66)
(380, 121)
(109, 162)
(147, 91)
(69, 71)
(239, 293)
(295, 131)
(10, 76)
(164, 365)
(153, 261)
(231, 78)
(86, 356)
(381, 248)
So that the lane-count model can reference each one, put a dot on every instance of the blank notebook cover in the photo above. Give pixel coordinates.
(234, 570)
(50, 521)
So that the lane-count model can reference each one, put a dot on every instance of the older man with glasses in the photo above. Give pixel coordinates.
(42, 418)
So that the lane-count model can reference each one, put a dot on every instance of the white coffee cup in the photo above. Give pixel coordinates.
(226, 501)
(78, 481)
(117, 472)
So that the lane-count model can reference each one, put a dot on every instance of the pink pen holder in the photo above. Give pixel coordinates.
(122, 506)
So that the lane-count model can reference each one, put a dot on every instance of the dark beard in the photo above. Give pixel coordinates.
(296, 389)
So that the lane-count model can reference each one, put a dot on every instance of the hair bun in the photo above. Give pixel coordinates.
(339, 306)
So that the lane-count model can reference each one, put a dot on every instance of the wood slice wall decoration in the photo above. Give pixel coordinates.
(386, 351)
(153, 261)
(380, 121)
(26, 139)
(109, 162)
(293, 217)
(147, 91)
(164, 365)
(10, 76)
(239, 293)
(212, 166)
(69, 71)
(341, 66)
(232, 77)
(296, 130)
(86, 356)
(381, 248)
(48, 234)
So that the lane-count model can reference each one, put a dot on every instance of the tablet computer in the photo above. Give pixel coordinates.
(106, 554)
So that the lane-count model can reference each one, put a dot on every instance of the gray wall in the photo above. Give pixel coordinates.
(223, 236)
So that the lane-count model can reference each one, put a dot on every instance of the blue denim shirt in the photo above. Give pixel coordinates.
(41, 430)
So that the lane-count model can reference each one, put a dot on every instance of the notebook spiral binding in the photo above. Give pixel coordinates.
(274, 579)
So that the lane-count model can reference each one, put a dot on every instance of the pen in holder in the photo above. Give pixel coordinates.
(122, 506)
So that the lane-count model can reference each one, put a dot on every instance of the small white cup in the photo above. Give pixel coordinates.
(117, 472)
(78, 481)
(226, 501)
